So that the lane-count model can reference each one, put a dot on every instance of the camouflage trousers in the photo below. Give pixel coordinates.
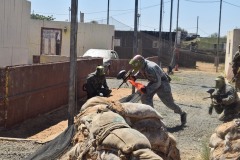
(227, 113)
(165, 94)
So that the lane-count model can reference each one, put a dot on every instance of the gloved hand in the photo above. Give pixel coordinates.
(143, 89)
(210, 110)
(219, 100)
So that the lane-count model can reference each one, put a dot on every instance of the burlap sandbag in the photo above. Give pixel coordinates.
(138, 110)
(101, 101)
(89, 113)
(146, 154)
(95, 101)
(104, 122)
(215, 141)
(156, 133)
(223, 129)
(126, 140)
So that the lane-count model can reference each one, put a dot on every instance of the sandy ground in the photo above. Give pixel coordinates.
(188, 87)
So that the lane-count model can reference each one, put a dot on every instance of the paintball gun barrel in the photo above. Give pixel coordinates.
(124, 76)
(218, 97)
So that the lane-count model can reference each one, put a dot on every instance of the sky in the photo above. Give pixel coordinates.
(195, 16)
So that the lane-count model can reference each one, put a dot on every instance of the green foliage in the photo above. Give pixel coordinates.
(207, 43)
(214, 35)
(94, 22)
(176, 78)
(205, 153)
(184, 32)
(42, 17)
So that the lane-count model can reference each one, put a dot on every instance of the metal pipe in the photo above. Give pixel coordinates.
(108, 13)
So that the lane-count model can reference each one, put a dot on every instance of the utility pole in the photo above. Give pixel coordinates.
(69, 11)
(160, 34)
(177, 24)
(170, 36)
(108, 13)
(170, 28)
(197, 25)
(219, 26)
(135, 41)
(73, 62)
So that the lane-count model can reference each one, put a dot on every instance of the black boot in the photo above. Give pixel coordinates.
(183, 118)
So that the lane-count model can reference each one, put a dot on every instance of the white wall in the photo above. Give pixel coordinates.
(14, 35)
(233, 40)
(20, 36)
(89, 36)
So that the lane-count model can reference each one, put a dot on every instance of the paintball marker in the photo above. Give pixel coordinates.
(128, 77)
(124, 76)
(217, 97)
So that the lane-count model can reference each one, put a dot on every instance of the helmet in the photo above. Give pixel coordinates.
(220, 82)
(137, 62)
(100, 71)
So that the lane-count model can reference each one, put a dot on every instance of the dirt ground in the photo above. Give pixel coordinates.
(189, 87)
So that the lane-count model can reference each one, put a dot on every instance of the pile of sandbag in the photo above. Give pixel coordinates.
(225, 142)
(120, 131)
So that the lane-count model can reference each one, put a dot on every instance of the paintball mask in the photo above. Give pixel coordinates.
(220, 82)
(100, 71)
(137, 62)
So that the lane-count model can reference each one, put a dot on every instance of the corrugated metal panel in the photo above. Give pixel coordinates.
(2, 96)
(27, 91)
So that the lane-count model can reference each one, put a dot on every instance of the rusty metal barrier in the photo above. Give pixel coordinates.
(29, 90)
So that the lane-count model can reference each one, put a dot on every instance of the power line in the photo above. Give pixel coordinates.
(231, 4)
(195, 1)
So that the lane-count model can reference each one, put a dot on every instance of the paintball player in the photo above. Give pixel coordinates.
(158, 83)
(236, 62)
(225, 100)
(96, 84)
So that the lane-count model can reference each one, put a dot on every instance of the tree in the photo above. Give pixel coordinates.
(214, 35)
(184, 33)
(94, 22)
(42, 17)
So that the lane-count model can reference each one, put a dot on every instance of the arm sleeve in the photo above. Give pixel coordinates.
(230, 98)
(105, 83)
(91, 81)
(154, 80)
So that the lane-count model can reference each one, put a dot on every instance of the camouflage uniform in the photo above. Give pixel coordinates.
(158, 83)
(236, 63)
(226, 107)
(235, 67)
(96, 85)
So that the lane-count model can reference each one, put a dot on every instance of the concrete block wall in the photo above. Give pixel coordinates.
(14, 35)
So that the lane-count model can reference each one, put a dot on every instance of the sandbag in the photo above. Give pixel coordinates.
(115, 106)
(156, 133)
(104, 122)
(106, 155)
(95, 101)
(146, 154)
(138, 110)
(126, 140)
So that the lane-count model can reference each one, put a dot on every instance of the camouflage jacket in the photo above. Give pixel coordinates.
(236, 59)
(154, 74)
(230, 95)
(97, 81)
